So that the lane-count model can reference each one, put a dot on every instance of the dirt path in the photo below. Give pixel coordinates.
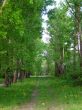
(31, 105)
(2, 85)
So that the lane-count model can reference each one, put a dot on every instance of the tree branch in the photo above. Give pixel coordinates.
(70, 6)
(3, 5)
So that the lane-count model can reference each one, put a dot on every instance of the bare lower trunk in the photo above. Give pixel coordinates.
(8, 77)
(21, 75)
(6, 82)
(80, 56)
(15, 75)
(59, 66)
(59, 69)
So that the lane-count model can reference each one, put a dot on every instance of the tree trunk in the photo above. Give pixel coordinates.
(3, 5)
(15, 76)
(8, 79)
(6, 82)
(59, 69)
(78, 30)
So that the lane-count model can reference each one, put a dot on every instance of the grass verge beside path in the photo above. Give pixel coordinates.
(58, 94)
(16, 94)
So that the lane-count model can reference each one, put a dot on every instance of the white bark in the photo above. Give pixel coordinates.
(3, 5)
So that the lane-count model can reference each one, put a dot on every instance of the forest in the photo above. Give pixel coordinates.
(40, 54)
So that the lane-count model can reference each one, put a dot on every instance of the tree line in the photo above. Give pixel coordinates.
(20, 30)
(22, 51)
(65, 27)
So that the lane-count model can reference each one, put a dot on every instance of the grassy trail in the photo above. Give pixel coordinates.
(58, 94)
(41, 94)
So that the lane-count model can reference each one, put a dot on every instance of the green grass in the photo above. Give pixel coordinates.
(58, 94)
(16, 94)
(53, 94)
